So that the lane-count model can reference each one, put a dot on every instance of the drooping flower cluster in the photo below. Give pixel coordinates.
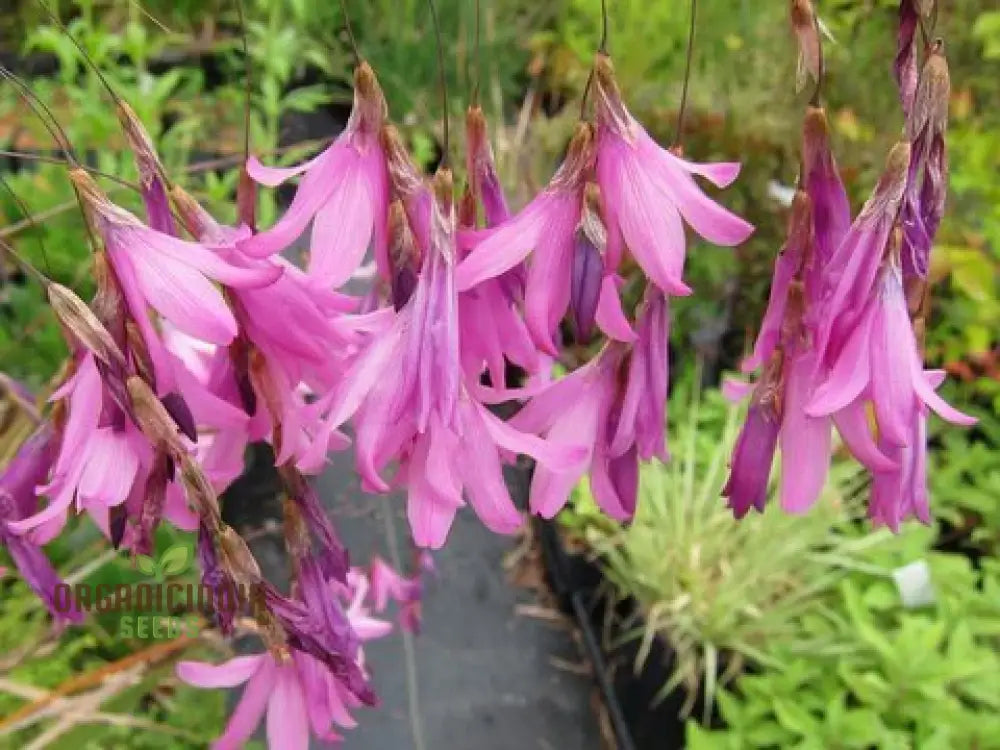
(204, 339)
(194, 349)
(841, 338)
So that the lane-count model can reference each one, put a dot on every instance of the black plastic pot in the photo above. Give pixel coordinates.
(640, 718)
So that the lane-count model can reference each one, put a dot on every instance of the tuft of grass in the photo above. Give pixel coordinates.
(720, 592)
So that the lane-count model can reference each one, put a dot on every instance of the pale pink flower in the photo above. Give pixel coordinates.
(344, 193)
(581, 409)
(491, 330)
(646, 190)
(103, 462)
(546, 230)
(300, 694)
(388, 584)
(172, 276)
(409, 402)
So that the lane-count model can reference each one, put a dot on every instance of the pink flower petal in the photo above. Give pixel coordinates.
(498, 250)
(557, 457)
(185, 297)
(735, 390)
(287, 720)
(852, 424)
(610, 315)
(248, 712)
(804, 441)
(720, 174)
(342, 231)
(850, 374)
(314, 190)
(274, 176)
(112, 464)
(229, 674)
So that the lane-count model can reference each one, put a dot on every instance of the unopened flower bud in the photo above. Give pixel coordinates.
(930, 108)
(80, 321)
(153, 418)
(885, 200)
(370, 108)
(141, 144)
(803, 20)
(197, 221)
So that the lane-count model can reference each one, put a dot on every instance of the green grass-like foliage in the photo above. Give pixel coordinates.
(926, 677)
(720, 593)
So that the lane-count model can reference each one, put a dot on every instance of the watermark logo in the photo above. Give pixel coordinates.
(174, 561)
(164, 607)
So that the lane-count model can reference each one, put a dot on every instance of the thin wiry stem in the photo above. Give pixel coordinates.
(44, 114)
(603, 46)
(409, 653)
(687, 75)
(248, 72)
(62, 27)
(446, 135)
(478, 57)
(29, 218)
(161, 172)
(350, 34)
(24, 264)
(163, 27)
(23, 155)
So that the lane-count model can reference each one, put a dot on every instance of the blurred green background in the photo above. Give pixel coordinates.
(180, 64)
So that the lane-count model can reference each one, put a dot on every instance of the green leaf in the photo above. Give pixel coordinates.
(175, 559)
(860, 728)
(145, 564)
(795, 718)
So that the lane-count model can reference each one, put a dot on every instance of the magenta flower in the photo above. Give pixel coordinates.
(581, 409)
(345, 194)
(818, 223)
(408, 401)
(585, 286)
(28, 468)
(299, 693)
(546, 229)
(172, 276)
(387, 583)
(856, 262)
(646, 190)
(902, 493)
(615, 406)
(103, 462)
(491, 331)
(879, 362)
(752, 457)
(642, 420)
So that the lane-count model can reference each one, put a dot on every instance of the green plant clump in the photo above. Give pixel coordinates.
(721, 594)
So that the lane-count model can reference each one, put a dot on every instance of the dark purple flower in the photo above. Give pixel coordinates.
(29, 468)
